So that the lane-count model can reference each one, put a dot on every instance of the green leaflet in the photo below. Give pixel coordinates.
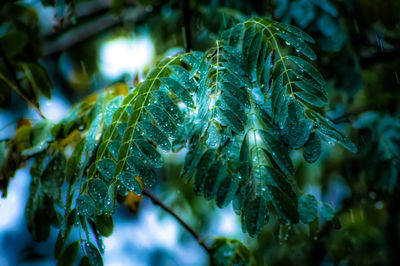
(235, 90)
(278, 151)
(245, 162)
(129, 181)
(230, 252)
(112, 106)
(296, 129)
(233, 105)
(214, 176)
(312, 149)
(110, 200)
(169, 106)
(93, 254)
(164, 121)
(231, 120)
(38, 78)
(325, 127)
(68, 256)
(192, 159)
(155, 134)
(72, 168)
(185, 78)
(298, 44)
(85, 206)
(308, 208)
(310, 98)
(53, 176)
(106, 168)
(98, 190)
(150, 154)
(326, 212)
(202, 169)
(139, 168)
(295, 31)
(241, 198)
(286, 207)
(105, 224)
(226, 190)
(180, 91)
(255, 216)
(275, 178)
(41, 136)
(113, 147)
(306, 67)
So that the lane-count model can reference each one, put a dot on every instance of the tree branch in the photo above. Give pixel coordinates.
(187, 33)
(17, 86)
(158, 202)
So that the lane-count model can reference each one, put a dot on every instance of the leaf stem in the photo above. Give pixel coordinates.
(158, 202)
(17, 87)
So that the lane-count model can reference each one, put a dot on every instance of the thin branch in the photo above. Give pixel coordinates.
(17, 87)
(158, 202)
(187, 32)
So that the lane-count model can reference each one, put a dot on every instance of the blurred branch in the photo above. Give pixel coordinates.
(345, 118)
(76, 35)
(17, 86)
(187, 32)
(378, 57)
(158, 202)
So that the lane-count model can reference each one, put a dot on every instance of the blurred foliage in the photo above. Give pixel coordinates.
(356, 49)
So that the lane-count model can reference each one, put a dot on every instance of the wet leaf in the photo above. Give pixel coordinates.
(308, 208)
(312, 149)
(85, 206)
(93, 254)
(98, 190)
(129, 181)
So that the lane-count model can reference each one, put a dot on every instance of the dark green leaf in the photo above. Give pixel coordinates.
(53, 176)
(38, 78)
(105, 224)
(326, 128)
(286, 206)
(202, 169)
(255, 214)
(98, 190)
(93, 254)
(295, 31)
(278, 151)
(227, 190)
(298, 44)
(152, 132)
(150, 154)
(231, 120)
(326, 212)
(176, 88)
(297, 128)
(308, 208)
(73, 163)
(164, 120)
(68, 256)
(129, 181)
(306, 67)
(172, 109)
(106, 167)
(139, 168)
(245, 162)
(85, 206)
(312, 149)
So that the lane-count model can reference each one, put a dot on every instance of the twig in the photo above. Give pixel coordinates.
(17, 87)
(187, 33)
(158, 202)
